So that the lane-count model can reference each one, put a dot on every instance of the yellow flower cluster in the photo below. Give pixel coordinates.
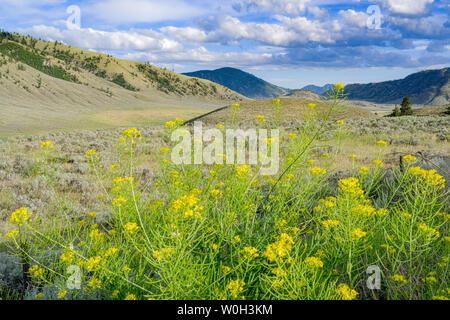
(93, 263)
(164, 253)
(314, 262)
(118, 202)
(130, 296)
(364, 210)
(429, 231)
(62, 294)
(67, 256)
(338, 87)
(250, 252)
(131, 227)
(95, 283)
(47, 145)
(236, 106)
(175, 124)
(242, 170)
(351, 185)
(11, 234)
(311, 105)
(36, 271)
(381, 143)
(95, 234)
(317, 171)
(328, 202)
(328, 224)
(398, 279)
(358, 234)
(260, 119)
(187, 204)
(20, 216)
(235, 288)
(110, 252)
(429, 177)
(378, 163)
(90, 153)
(131, 133)
(363, 171)
(279, 249)
(409, 158)
(346, 292)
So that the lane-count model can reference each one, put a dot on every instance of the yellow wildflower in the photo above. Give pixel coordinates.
(328, 224)
(409, 158)
(429, 231)
(235, 288)
(163, 254)
(346, 292)
(131, 227)
(118, 202)
(47, 145)
(358, 234)
(62, 294)
(95, 283)
(36, 271)
(398, 278)
(378, 163)
(90, 152)
(20, 216)
(11, 234)
(279, 249)
(67, 256)
(317, 171)
(250, 252)
(314, 262)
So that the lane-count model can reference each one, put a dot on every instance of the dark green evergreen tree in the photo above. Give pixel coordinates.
(405, 109)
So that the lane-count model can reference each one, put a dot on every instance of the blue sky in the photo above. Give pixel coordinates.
(291, 43)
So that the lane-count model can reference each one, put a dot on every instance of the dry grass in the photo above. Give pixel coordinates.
(291, 109)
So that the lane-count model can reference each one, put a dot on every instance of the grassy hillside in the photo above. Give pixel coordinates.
(52, 86)
(242, 82)
(431, 87)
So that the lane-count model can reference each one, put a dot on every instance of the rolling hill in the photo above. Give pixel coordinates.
(318, 89)
(430, 87)
(245, 83)
(52, 86)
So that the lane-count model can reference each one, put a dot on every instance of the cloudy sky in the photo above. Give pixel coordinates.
(291, 43)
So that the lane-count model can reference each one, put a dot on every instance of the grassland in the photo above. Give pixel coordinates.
(245, 238)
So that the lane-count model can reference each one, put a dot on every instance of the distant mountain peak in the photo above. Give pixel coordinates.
(240, 81)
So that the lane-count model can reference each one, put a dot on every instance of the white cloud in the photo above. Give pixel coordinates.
(202, 56)
(353, 17)
(406, 6)
(104, 40)
(186, 34)
(288, 32)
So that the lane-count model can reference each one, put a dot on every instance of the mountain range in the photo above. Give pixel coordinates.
(430, 87)
(241, 81)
